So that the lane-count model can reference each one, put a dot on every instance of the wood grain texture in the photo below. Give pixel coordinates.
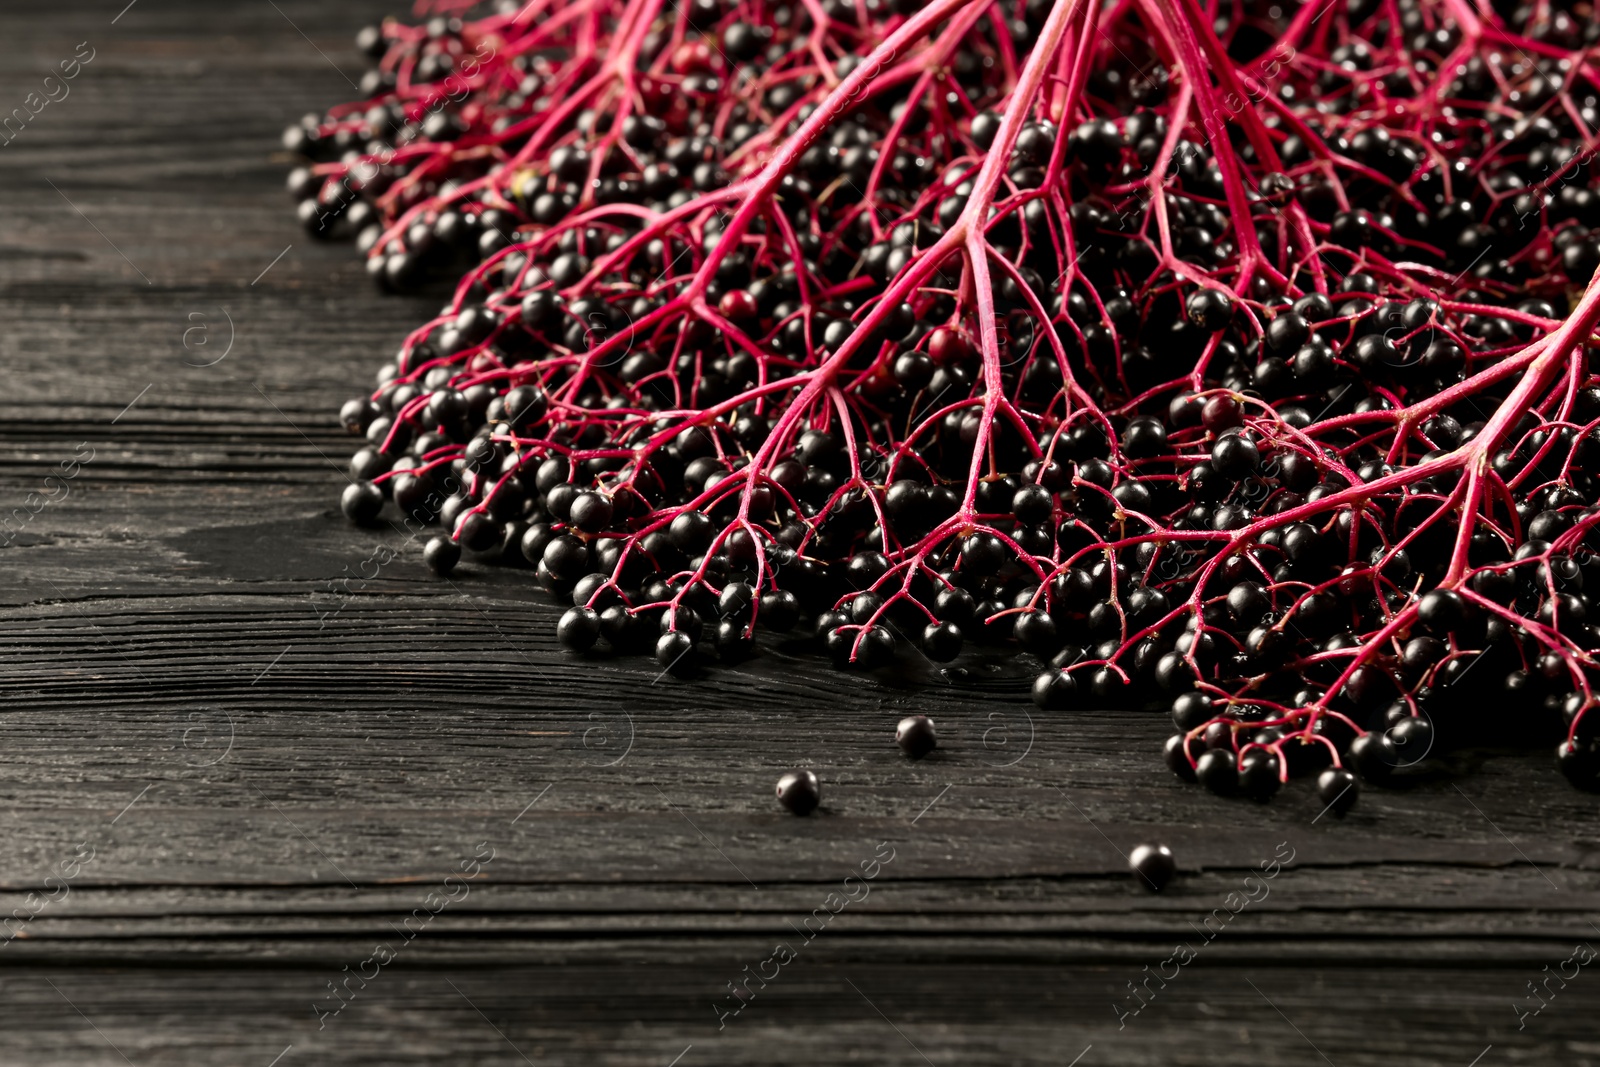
(269, 772)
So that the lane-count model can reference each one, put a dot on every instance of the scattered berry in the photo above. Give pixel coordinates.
(1153, 866)
(800, 792)
(915, 736)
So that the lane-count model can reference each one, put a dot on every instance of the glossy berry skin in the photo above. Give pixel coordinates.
(1036, 632)
(441, 554)
(1235, 456)
(578, 629)
(524, 405)
(1287, 332)
(734, 642)
(620, 629)
(1153, 866)
(1209, 309)
(838, 641)
(534, 541)
(1176, 759)
(673, 652)
(955, 605)
(946, 344)
(361, 502)
(1055, 690)
(742, 41)
(1032, 504)
(368, 463)
(593, 592)
(736, 601)
(357, 415)
(875, 649)
(479, 532)
(1191, 710)
(914, 370)
(684, 620)
(1259, 774)
(983, 553)
(1579, 763)
(691, 532)
(1218, 771)
(915, 736)
(780, 610)
(1373, 757)
(865, 607)
(567, 558)
(1144, 437)
(1411, 740)
(591, 512)
(1221, 413)
(1442, 609)
(1338, 790)
(739, 307)
(800, 792)
(941, 641)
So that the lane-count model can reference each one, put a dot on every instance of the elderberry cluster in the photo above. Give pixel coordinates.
(1244, 366)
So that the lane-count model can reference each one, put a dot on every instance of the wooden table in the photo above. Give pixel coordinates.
(233, 782)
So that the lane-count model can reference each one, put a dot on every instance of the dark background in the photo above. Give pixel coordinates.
(305, 766)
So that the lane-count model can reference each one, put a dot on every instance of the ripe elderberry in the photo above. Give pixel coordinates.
(800, 792)
(1153, 866)
(915, 736)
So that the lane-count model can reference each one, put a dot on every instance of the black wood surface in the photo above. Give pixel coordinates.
(241, 758)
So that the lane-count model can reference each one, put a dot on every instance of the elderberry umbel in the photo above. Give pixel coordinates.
(1241, 360)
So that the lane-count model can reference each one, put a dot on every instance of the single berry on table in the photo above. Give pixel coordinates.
(915, 736)
(1153, 866)
(800, 792)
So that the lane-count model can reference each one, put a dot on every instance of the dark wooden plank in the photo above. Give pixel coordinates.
(835, 1006)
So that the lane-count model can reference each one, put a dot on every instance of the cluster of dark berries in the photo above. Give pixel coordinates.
(1243, 366)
